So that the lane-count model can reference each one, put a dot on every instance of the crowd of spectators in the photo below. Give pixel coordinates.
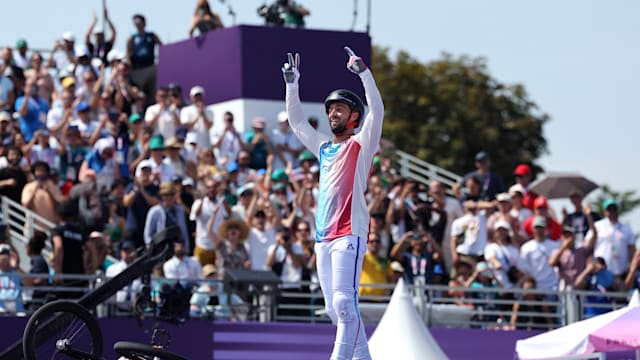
(88, 148)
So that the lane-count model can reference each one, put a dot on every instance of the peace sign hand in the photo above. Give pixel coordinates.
(290, 70)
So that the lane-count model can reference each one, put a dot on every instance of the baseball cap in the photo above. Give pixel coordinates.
(188, 182)
(522, 169)
(306, 155)
(127, 245)
(156, 143)
(191, 138)
(539, 202)
(5, 116)
(196, 90)
(21, 43)
(568, 229)
(539, 221)
(517, 188)
(45, 132)
(98, 30)
(245, 188)
(283, 116)
(609, 202)
(502, 224)
(68, 36)
(134, 118)
(503, 197)
(5, 249)
(278, 186)
(396, 266)
(68, 81)
(258, 123)
(82, 106)
(82, 50)
(96, 235)
(482, 156)
(144, 164)
(279, 175)
(233, 166)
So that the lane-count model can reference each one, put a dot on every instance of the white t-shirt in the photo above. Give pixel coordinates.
(534, 260)
(166, 170)
(229, 147)
(612, 244)
(258, 246)
(6, 86)
(289, 272)
(202, 237)
(474, 228)
(187, 268)
(166, 125)
(188, 114)
(289, 139)
(86, 130)
(508, 256)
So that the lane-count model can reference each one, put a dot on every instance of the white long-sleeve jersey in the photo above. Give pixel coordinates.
(344, 167)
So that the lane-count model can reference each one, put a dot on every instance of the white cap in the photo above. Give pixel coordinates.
(146, 163)
(68, 36)
(82, 50)
(503, 197)
(187, 181)
(191, 137)
(502, 224)
(196, 90)
(517, 188)
(98, 30)
(115, 55)
(283, 116)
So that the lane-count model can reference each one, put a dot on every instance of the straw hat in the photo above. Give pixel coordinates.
(244, 229)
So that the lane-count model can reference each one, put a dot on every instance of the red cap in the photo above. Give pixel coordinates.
(539, 202)
(522, 169)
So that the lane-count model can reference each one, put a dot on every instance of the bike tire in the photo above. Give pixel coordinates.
(50, 318)
(137, 351)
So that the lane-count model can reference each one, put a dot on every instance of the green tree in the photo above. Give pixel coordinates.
(627, 199)
(447, 110)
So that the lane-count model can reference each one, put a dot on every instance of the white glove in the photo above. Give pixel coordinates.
(355, 64)
(290, 69)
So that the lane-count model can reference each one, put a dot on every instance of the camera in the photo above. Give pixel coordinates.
(273, 14)
(416, 236)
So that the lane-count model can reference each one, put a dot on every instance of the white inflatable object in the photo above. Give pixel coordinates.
(401, 333)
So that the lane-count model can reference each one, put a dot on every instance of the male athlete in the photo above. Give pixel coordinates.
(342, 218)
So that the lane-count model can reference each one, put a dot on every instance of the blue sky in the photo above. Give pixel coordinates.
(577, 59)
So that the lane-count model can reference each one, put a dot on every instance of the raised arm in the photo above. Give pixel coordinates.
(308, 136)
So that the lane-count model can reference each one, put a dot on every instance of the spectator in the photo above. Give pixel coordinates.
(229, 243)
(535, 255)
(127, 254)
(453, 210)
(379, 226)
(490, 182)
(596, 278)
(100, 49)
(41, 195)
(64, 58)
(59, 116)
(173, 159)
(41, 149)
(39, 266)
(286, 259)
(141, 49)
(39, 73)
(212, 301)
(201, 212)
(528, 304)
(469, 233)
(286, 146)
(101, 160)
(6, 128)
(197, 118)
(140, 196)
(375, 269)
(20, 58)
(162, 171)
(69, 251)
(10, 284)
(518, 211)
(204, 19)
(73, 155)
(570, 259)
(139, 149)
(541, 208)
(163, 115)
(207, 167)
(377, 199)
(262, 220)
(83, 122)
(504, 202)
(7, 93)
(12, 178)
(245, 172)
(258, 144)
(166, 214)
(31, 110)
(581, 219)
(632, 281)
(502, 254)
(244, 195)
(228, 142)
(523, 176)
(615, 241)
(418, 263)
(182, 267)
(294, 13)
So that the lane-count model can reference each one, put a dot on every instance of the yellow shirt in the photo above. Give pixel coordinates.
(374, 271)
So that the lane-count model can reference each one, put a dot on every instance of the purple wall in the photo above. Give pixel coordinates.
(203, 339)
(244, 62)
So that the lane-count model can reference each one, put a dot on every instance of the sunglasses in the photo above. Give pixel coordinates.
(374, 241)
(304, 229)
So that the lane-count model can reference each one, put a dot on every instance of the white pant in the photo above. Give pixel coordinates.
(339, 264)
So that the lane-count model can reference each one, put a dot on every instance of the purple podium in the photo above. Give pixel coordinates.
(239, 67)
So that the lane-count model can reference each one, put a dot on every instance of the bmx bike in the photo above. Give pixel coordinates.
(67, 329)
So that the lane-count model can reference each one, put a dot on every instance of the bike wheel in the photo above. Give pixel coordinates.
(137, 351)
(60, 323)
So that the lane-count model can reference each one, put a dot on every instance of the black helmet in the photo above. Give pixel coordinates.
(346, 97)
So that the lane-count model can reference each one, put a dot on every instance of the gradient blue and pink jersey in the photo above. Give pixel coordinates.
(344, 167)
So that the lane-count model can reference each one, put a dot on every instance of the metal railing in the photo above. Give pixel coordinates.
(420, 170)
